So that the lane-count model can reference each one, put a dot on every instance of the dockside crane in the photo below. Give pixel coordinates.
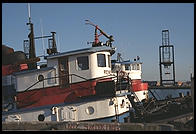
(166, 60)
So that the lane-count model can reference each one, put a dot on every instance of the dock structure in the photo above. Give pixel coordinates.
(169, 87)
(166, 60)
(86, 126)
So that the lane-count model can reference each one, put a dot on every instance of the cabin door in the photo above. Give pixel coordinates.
(63, 72)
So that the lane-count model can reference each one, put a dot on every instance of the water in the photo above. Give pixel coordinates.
(161, 94)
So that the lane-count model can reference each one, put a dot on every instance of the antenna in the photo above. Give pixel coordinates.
(58, 43)
(43, 46)
(32, 54)
(29, 11)
(119, 58)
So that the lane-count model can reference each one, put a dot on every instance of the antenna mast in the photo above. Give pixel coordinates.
(29, 11)
(43, 46)
(32, 54)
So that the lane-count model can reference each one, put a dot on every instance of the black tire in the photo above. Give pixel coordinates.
(6, 51)
(17, 57)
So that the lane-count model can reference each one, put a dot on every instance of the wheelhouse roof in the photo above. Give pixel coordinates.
(81, 51)
(32, 71)
(128, 62)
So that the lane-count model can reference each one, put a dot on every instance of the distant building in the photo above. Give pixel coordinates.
(187, 83)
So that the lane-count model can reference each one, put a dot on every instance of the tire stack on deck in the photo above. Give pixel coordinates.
(9, 56)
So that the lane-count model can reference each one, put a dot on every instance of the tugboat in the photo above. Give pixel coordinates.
(77, 85)
(131, 70)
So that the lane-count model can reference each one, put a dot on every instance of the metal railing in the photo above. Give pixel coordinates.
(57, 77)
(83, 78)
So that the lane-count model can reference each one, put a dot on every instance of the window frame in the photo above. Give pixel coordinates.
(138, 66)
(98, 60)
(78, 66)
(129, 67)
(109, 61)
(134, 67)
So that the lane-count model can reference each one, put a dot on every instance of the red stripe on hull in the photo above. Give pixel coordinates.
(137, 85)
(55, 95)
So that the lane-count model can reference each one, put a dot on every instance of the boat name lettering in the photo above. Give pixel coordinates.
(107, 72)
(72, 126)
(104, 127)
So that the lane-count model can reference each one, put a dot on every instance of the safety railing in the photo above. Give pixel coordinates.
(42, 79)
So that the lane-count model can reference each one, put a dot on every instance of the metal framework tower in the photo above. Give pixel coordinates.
(166, 60)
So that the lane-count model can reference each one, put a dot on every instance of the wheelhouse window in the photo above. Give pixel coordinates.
(113, 67)
(127, 67)
(138, 66)
(101, 62)
(133, 66)
(109, 61)
(83, 63)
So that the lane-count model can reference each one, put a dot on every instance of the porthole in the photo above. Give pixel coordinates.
(90, 110)
(40, 77)
(41, 117)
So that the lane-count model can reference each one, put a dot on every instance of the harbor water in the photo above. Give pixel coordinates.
(161, 94)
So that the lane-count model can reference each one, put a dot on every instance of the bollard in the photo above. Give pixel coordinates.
(126, 120)
(181, 95)
(131, 116)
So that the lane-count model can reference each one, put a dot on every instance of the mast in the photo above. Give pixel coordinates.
(32, 54)
(43, 46)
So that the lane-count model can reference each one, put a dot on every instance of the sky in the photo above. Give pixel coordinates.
(136, 28)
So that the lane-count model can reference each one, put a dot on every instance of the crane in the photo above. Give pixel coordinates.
(96, 41)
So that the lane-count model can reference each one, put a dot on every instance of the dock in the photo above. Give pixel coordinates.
(169, 87)
(86, 126)
(179, 123)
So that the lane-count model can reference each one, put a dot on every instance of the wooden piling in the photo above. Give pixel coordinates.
(192, 92)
